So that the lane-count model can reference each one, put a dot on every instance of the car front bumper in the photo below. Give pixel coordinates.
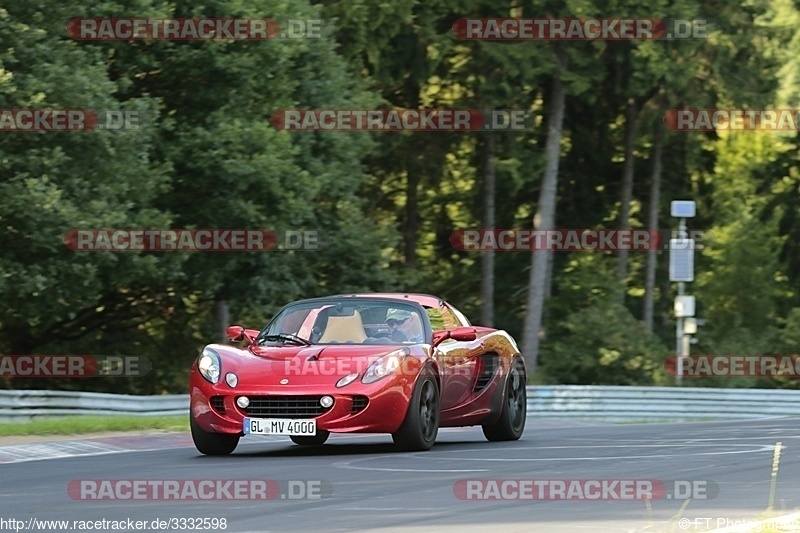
(214, 406)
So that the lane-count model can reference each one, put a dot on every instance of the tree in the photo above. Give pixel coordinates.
(545, 216)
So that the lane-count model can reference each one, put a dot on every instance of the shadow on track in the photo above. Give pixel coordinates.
(290, 450)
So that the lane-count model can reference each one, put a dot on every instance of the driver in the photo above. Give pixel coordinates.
(405, 326)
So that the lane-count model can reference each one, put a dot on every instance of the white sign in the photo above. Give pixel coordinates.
(681, 260)
(684, 306)
(682, 208)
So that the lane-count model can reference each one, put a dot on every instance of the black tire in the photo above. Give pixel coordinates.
(317, 440)
(212, 443)
(421, 425)
(511, 423)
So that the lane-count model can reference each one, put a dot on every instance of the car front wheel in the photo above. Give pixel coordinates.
(421, 425)
(212, 443)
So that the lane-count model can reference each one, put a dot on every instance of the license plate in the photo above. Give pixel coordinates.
(280, 426)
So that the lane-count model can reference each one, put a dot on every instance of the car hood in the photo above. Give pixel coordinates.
(283, 353)
(336, 360)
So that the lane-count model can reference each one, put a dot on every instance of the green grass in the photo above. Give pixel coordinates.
(76, 425)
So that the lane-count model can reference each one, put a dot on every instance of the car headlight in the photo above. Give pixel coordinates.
(347, 380)
(384, 366)
(209, 365)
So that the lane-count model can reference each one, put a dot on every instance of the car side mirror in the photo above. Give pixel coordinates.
(457, 334)
(440, 336)
(463, 334)
(235, 333)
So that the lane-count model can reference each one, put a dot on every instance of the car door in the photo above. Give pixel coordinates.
(457, 362)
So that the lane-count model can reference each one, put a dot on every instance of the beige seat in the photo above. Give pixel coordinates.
(416, 330)
(344, 329)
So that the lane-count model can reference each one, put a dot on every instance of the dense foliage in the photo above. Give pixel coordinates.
(386, 203)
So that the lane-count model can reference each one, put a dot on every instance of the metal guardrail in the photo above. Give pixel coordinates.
(25, 405)
(607, 403)
(629, 404)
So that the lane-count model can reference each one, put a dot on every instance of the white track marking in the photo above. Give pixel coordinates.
(54, 450)
(21, 453)
(602, 458)
(348, 465)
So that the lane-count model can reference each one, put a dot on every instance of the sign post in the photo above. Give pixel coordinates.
(681, 269)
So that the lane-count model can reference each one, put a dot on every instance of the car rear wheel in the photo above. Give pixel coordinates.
(212, 443)
(514, 410)
(421, 425)
(316, 440)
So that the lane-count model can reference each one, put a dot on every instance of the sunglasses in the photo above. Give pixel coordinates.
(393, 323)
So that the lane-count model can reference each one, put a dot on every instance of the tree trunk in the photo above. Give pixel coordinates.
(548, 280)
(411, 212)
(544, 220)
(655, 202)
(222, 317)
(627, 191)
(487, 257)
(414, 172)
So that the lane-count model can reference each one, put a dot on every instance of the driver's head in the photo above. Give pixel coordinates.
(402, 321)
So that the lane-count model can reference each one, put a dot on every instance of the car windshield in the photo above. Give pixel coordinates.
(346, 321)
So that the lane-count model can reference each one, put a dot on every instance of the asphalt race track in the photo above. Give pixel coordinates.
(362, 484)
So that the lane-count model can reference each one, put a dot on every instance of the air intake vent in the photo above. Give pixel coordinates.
(218, 404)
(487, 365)
(359, 404)
(285, 406)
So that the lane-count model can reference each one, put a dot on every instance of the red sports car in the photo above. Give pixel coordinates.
(404, 364)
